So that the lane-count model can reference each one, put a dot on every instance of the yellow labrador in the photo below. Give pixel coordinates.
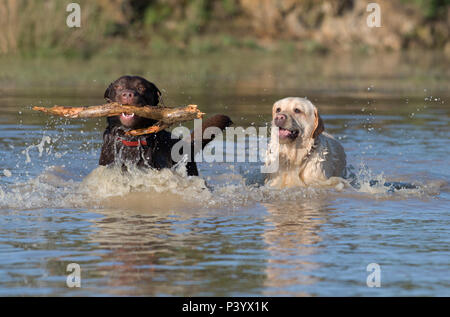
(306, 154)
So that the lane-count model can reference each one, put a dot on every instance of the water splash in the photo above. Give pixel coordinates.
(233, 187)
(40, 147)
(111, 187)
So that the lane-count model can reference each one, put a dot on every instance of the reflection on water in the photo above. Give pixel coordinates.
(224, 234)
(179, 254)
(292, 242)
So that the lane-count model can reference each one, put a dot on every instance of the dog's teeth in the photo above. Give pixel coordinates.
(128, 115)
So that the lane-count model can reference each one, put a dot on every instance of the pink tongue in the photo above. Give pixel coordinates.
(284, 133)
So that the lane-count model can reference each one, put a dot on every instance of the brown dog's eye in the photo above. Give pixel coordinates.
(297, 110)
(141, 89)
(278, 110)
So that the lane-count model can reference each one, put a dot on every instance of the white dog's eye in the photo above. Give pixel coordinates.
(297, 110)
(278, 110)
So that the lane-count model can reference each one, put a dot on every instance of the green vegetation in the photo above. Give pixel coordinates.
(432, 8)
(146, 28)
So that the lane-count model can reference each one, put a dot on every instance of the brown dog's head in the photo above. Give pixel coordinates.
(133, 91)
(297, 119)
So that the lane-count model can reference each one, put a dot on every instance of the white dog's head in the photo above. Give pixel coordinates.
(297, 119)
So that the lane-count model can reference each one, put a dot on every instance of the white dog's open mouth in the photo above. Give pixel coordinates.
(287, 134)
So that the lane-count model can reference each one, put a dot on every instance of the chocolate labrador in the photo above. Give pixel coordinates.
(150, 150)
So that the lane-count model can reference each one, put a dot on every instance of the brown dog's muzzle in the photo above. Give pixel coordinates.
(129, 97)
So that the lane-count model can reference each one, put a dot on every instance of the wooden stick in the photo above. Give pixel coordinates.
(159, 126)
(166, 116)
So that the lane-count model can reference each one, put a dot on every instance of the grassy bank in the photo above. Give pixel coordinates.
(137, 28)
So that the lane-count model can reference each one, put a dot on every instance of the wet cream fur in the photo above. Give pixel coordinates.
(313, 158)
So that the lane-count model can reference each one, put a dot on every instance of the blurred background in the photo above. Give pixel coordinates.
(159, 27)
(383, 93)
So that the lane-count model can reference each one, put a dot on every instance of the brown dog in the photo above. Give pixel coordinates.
(150, 150)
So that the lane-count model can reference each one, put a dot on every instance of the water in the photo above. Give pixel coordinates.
(158, 233)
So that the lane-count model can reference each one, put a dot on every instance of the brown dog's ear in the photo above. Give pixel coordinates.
(319, 127)
(158, 96)
(109, 93)
(152, 94)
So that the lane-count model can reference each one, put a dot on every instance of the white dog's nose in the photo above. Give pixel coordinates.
(280, 119)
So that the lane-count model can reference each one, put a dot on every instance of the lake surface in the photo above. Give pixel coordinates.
(226, 234)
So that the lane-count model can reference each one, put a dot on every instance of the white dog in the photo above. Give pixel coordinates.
(306, 154)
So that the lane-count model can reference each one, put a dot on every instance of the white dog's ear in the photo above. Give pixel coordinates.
(319, 127)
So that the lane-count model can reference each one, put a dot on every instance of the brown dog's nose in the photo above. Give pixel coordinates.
(280, 119)
(127, 97)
